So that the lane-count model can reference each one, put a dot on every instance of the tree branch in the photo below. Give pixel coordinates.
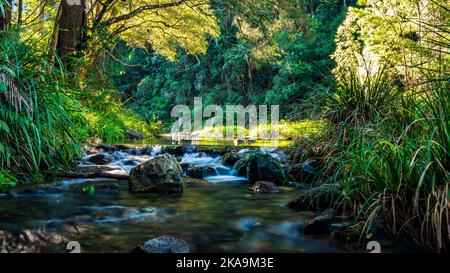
(141, 9)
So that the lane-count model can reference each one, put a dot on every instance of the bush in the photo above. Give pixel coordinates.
(36, 127)
(395, 166)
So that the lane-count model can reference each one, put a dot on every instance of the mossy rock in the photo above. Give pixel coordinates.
(264, 167)
(200, 171)
(160, 174)
(230, 159)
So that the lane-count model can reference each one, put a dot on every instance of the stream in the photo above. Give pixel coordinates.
(216, 214)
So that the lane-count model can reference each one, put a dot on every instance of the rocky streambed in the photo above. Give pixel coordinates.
(168, 199)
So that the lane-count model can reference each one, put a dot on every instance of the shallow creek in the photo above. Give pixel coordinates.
(219, 215)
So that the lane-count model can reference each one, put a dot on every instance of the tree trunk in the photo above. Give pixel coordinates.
(19, 12)
(5, 16)
(71, 29)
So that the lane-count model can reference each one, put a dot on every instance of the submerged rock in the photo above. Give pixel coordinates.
(195, 182)
(320, 224)
(200, 171)
(164, 244)
(262, 166)
(248, 223)
(265, 187)
(101, 159)
(159, 174)
(28, 241)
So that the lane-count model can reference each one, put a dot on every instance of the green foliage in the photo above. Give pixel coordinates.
(7, 180)
(265, 53)
(36, 129)
(108, 119)
(359, 99)
(286, 129)
(389, 156)
(401, 173)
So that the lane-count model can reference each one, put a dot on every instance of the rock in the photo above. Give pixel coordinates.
(99, 184)
(264, 167)
(265, 187)
(10, 194)
(185, 165)
(230, 159)
(215, 151)
(248, 223)
(93, 168)
(164, 244)
(200, 171)
(134, 135)
(145, 149)
(28, 241)
(184, 149)
(179, 150)
(106, 148)
(89, 150)
(121, 147)
(237, 142)
(130, 162)
(101, 159)
(320, 224)
(195, 182)
(240, 168)
(302, 172)
(159, 174)
(94, 140)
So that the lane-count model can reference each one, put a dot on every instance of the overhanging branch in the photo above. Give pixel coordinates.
(141, 9)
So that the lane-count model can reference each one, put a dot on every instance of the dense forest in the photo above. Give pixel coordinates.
(362, 85)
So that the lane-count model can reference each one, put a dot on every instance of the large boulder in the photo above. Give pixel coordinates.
(200, 171)
(320, 224)
(264, 167)
(164, 244)
(265, 187)
(101, 159)
(230, 159)
(240, 168)
(159, 174)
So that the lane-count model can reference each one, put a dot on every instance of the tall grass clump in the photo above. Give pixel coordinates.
(390, 161)
(36, 127)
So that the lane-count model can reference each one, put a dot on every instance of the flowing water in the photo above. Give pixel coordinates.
(219, 215)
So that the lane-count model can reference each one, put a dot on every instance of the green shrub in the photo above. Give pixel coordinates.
(36, 127)
(108, 119)
(397, 166)
(7, 180)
